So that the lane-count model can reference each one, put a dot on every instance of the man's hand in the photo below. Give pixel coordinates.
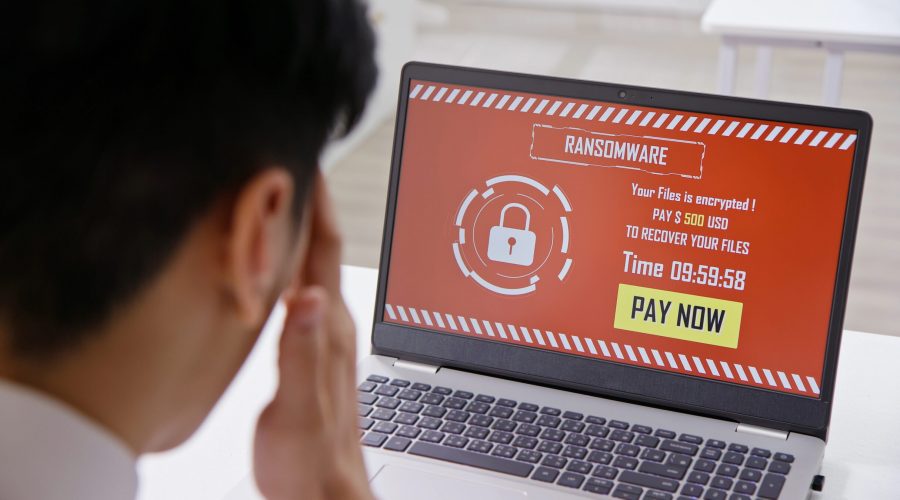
(307, 440)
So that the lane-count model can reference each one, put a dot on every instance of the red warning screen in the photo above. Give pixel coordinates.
(700, 244)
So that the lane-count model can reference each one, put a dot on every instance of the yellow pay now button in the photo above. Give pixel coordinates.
(679, 315)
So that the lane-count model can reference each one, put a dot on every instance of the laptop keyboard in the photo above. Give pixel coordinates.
(572, 450)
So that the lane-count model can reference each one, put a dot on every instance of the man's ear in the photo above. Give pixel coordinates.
(258, 242)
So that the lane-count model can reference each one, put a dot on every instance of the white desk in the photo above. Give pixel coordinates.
(837, 26)
(862, 459)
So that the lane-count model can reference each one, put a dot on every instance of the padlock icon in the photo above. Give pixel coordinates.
(511, 245)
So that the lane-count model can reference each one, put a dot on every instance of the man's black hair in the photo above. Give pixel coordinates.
(122, 122)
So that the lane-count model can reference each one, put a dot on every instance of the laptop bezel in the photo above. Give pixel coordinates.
(750, 405)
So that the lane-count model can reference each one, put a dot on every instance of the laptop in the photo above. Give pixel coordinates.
(590, 290)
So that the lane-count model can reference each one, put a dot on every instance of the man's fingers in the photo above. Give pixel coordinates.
(300, 349)
(324, 261)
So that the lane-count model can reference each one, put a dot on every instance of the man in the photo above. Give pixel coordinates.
(159, 192)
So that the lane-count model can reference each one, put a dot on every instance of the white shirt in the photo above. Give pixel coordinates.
(48, 451)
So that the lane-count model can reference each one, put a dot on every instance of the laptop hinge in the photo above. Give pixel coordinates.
(419, 367)
(762, 431)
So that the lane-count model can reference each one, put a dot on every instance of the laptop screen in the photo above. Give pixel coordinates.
(704, 245)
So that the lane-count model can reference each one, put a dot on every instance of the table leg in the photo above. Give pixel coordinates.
(727, 66)
(763, 71)
(831, 85)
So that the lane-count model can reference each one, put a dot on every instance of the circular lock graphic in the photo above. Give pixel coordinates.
(511, 233)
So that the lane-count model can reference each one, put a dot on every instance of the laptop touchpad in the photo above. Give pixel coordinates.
(395, 482)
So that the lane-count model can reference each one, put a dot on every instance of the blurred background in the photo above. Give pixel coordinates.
(675, 44)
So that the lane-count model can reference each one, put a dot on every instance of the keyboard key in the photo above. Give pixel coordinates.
(605, 472)
(374, 439)
(429, 423)
(715, 443)
(784, 457)
(478, 407)
(399, 382)
(365, 423)
(653, 455)
(456, 441)
(529, 456)
(779, 467)
(432, 399)
(528, 430)
(597, 485)
(463, 395)
(525, 442)
(710, 454)
(760, 452)
(574, 452)
(555, 461)
(679, 460)
(432, 436)
(713, 494)
(363, 410)
(577, 439)
(549, 410)
(480, 446)
(524, 416)
(454, 403)
(649, 481)
(545, 474)
(443, 391)
(389, 403)
(629, 450)
(502, 450)
(704, 465)
(571, 480)
(628, 491)
(579, 467)
(740, 448)
(739, 496)
(692, 490)
(409, 395)
(656, 495)
(623, 462)
(501, 412)
(434, 411)
(727, 470)
(476, 432)
(367, 386)
(733, 458)
(572, 426)
(397, 443)
(646, 440)
(620, 435)
(690, 438)
(618, 424)
(385, 427)
(721, 482)
(593, 419)
(409, 431)
(366, 398)
(573, 415)
(553, 434)
(383, 414)
(602, 444)
(481, 420)
(504, 425)
(664, 434)
(751, 475)
(453, 427)
(380, 379)
(411, 407)
(745, 488)
(484, 398)
(474, 459)
(457, 416)
(550, 447)
(419, 386)
(679, 447)
(641, 429)
(596, 430)
(507, 402)
(406, 419)
(387, 390)
(548, 421)
(501, 437)
(600, 457)
(528, 407)
(669, 471)
(698, 477)
(771, 486)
